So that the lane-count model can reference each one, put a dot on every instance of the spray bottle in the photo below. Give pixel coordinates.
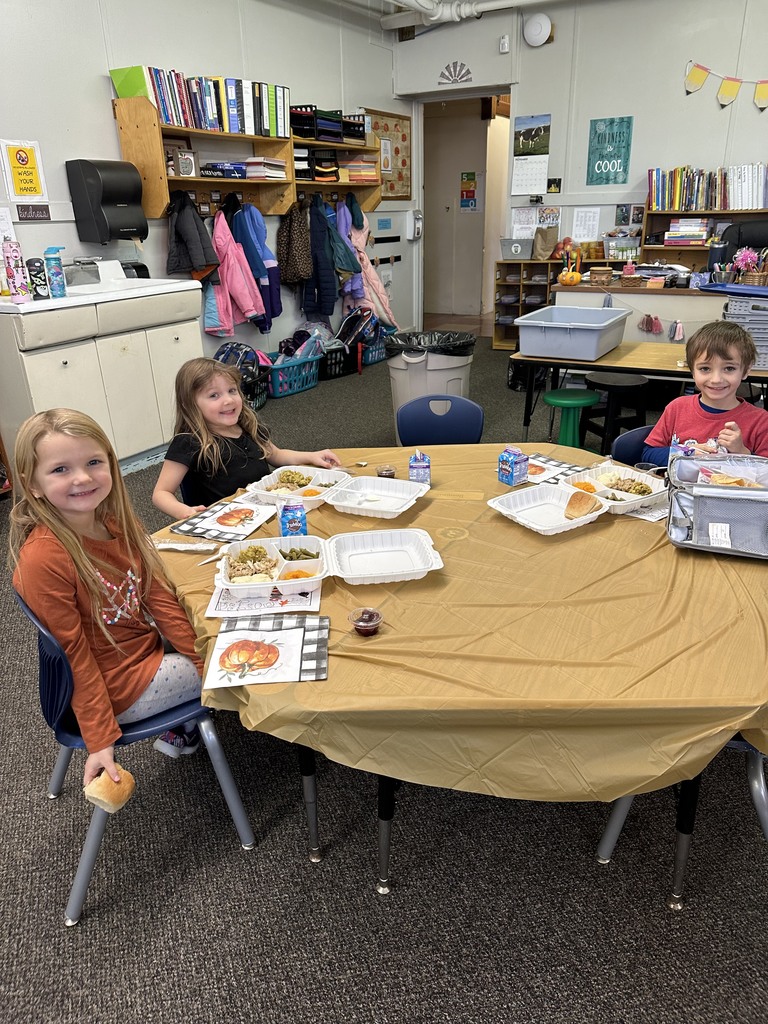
(57, 285)
(16, 272)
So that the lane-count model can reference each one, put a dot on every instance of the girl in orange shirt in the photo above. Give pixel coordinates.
(86, 567)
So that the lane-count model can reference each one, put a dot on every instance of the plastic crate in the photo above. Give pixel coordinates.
(292, 376)
(337, 362)
(573, 332)
(621, 248)
(258, 390)
(376, 352)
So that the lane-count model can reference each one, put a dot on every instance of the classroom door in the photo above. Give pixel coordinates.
(455, 145)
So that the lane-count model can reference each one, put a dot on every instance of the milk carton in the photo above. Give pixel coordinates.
(513, 466)
(419, 468)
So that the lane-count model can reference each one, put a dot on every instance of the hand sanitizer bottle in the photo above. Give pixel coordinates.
(57, 285)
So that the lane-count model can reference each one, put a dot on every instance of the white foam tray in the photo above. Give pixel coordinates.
(319, 476)
(373, 556)
(542, 509)
(631, 501)
(376, 496)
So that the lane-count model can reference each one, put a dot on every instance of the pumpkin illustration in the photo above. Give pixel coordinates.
(235, 517)
(569, 277)
(244, 656)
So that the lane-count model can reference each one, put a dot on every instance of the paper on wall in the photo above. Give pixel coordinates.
(586, 224)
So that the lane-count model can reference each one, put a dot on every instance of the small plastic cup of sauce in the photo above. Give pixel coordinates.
(385, 471)
(366, 620)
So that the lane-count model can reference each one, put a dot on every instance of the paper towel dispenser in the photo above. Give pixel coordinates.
(106, 197)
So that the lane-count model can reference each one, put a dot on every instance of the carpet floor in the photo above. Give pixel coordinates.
(498, 913)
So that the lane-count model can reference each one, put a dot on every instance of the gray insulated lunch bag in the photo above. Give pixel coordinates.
(719, 503)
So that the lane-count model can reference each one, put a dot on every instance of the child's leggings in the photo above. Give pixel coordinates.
(176, 682)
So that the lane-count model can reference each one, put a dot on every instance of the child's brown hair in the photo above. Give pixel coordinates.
(192, 377)
(722, 339)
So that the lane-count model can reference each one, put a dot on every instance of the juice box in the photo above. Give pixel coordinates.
(513, 466)
(419, 468)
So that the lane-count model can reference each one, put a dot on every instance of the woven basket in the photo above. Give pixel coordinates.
(600, 276)
(633, 281)
(754, 278)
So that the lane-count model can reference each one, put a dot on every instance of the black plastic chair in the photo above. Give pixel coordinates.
(440, 419)
(56, 684)
(628, 447)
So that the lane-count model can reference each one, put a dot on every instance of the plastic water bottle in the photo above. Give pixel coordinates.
(293, 518)
(16, 272)
(54, 271)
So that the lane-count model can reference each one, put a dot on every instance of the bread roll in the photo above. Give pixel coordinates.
(109, 795)
(581, 504)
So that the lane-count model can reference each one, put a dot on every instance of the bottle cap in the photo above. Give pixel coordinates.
(53, 249)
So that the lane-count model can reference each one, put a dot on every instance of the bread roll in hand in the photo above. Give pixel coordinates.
(109, 795)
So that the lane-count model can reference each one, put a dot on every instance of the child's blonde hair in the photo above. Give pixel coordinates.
(721, 339)
(29, 511)
(192, 377)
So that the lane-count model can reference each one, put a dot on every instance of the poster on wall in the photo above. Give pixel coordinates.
(523, 222)
(531, 154)
(471, 193)
(394, 134)
(610, 145)
(23, 171)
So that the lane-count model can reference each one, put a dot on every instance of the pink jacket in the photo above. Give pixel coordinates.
(237, 298)
(375, 294)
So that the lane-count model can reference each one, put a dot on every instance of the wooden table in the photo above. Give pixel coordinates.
(582, 666)
(652, 358)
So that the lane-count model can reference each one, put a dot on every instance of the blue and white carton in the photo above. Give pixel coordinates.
(513, 466)
(419, 468)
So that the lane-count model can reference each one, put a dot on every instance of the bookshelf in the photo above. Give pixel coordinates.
(142, 142)
(514, 282)
(368, 194)
(656, 222)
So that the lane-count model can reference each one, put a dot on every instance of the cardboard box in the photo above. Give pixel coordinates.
(513, 466)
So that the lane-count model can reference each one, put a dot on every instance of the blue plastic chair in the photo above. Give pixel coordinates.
(56, 685)
(440, 419)
(628, 447)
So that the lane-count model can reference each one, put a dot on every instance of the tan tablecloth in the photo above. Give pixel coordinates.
(580, 666)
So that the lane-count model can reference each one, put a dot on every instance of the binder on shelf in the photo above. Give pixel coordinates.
(286, 112)
(220, 96)
(133, 81)
(264, 94)
(271, 93)
(280, 112)
(233, 119)
(246, 97)
(257, 124)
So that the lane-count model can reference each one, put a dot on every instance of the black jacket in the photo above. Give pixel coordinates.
(189, 245)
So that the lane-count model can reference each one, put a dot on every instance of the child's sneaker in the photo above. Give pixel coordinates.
(174, 744)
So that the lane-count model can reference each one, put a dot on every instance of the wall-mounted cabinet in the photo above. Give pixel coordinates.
(143, 140)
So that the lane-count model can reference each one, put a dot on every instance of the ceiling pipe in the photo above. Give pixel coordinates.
(430, 12)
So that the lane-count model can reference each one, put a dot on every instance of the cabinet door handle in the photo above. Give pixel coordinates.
(65, 362)
(176, 337)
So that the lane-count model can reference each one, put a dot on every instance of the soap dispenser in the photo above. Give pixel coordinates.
(57, 284)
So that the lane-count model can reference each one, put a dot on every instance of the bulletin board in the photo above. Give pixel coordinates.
(394, 134)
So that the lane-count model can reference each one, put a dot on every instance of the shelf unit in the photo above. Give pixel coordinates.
(656, 222)
(368, 195)
(142, 142)
(531, 278)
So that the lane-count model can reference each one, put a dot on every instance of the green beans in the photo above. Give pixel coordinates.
(297, 554)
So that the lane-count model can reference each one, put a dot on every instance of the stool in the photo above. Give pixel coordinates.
(570, 401)
(622, 389)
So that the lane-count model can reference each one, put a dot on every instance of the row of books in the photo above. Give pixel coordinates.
(309, 122)
(689, 230)
(215, 103)
(737, 187)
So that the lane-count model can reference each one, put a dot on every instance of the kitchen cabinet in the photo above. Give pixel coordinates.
(70, 352)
